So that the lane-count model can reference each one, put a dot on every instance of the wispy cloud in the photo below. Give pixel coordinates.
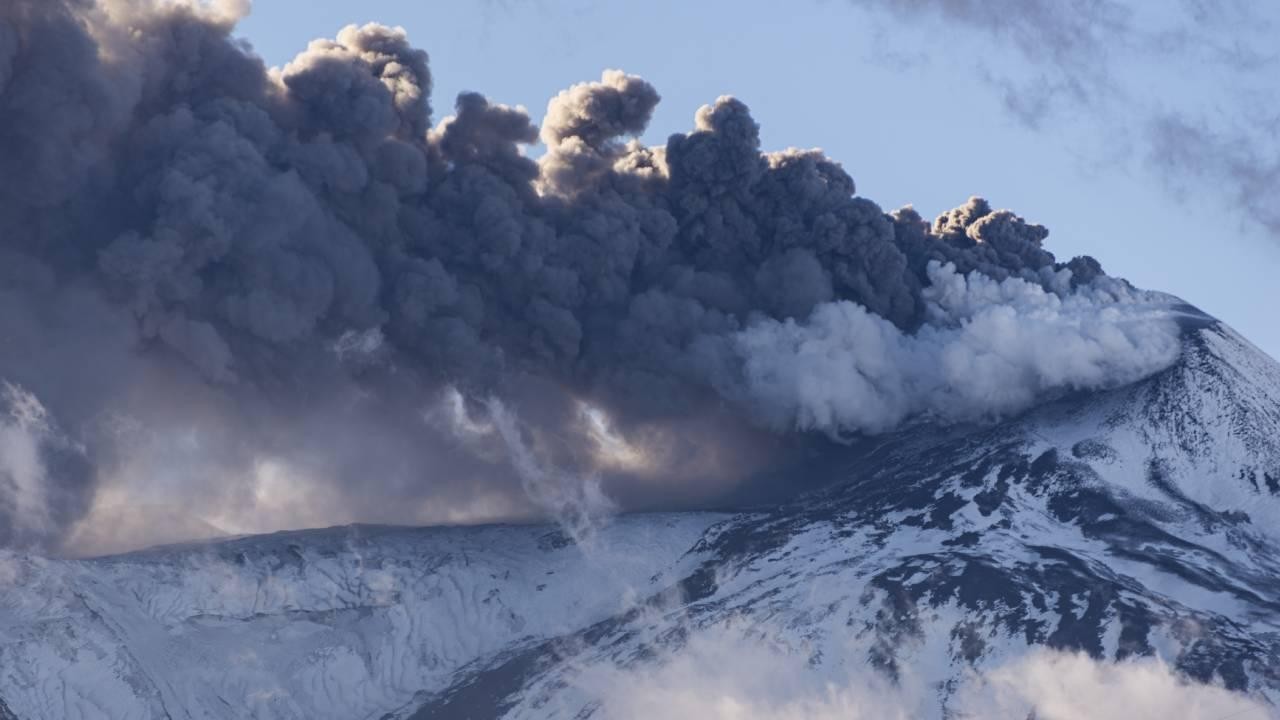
(1185, 87)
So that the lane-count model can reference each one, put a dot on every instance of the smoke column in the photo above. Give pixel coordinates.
(246, 289)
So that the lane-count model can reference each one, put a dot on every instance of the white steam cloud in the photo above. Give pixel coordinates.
(574, 499)
(578, 504)
(988, 349)
(724, 675)
(1059, 686)
(32, 448)
(23, 428)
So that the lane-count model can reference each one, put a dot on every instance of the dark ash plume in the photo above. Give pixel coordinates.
(584, 125)
(283, 272)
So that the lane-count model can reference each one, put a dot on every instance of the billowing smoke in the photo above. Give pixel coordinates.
(245, 290)
(990, 349)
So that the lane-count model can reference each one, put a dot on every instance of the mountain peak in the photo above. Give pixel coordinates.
(1131, 523)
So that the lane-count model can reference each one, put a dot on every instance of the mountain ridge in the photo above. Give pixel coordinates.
(1129, 523)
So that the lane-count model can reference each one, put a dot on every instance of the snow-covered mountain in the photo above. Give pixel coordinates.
(1138, 522)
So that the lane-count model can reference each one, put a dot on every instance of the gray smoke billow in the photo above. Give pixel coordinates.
(285, 294)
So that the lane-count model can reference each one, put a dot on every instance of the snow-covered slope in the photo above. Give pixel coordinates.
(1137, 522)
(342, 623)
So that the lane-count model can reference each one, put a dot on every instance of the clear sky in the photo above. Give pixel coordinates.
(1066, 124)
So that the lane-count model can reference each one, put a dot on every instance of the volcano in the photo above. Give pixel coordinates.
(1138, 522)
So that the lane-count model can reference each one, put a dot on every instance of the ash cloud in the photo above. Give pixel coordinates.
(245, 289)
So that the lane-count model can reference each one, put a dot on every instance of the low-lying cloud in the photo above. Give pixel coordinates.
(725, 674)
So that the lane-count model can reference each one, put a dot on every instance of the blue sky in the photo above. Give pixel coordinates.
(916, 105)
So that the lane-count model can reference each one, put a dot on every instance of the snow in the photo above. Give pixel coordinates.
(343, 623)
(369, 622)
